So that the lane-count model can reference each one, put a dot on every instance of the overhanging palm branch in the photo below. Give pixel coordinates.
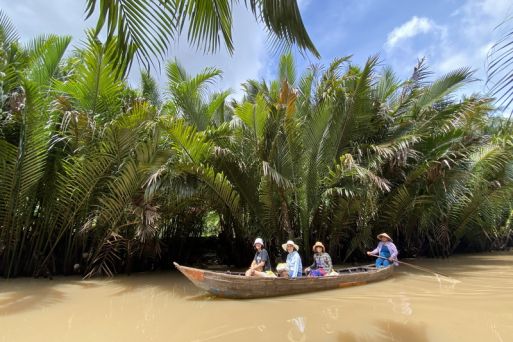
(148, 26)
(500, 68)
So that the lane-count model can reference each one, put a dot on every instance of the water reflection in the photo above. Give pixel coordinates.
(387, 330)
(297, 332)
(411, 306)
(401, 305)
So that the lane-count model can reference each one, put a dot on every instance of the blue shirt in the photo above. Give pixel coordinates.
(294, 264)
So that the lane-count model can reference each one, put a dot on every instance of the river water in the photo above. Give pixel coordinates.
(411, 306)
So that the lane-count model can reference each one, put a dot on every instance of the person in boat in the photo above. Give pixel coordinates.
(322, 264)
(386, 251)
(294, 266)
(261, 265)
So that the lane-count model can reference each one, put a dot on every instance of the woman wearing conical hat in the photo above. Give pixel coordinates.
(322, 264)
(386, 251)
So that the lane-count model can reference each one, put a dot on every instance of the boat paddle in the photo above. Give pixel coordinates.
(419, 268)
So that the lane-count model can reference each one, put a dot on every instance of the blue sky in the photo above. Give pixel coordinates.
(449, 33)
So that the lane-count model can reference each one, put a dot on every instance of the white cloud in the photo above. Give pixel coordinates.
(473, 33)
(478, 18)
(496, 9)
(462, 39)
(409, 29)
(453, 62)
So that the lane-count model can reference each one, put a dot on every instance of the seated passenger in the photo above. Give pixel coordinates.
(322, 262)
(260, 266)
(283, 270)
(294, 265)
(386, 251)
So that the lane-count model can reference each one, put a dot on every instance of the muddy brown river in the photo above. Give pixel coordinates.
(410, 306)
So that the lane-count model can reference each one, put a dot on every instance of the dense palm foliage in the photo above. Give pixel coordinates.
(96, 176)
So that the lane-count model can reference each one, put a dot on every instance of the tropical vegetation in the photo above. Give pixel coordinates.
(98, 177)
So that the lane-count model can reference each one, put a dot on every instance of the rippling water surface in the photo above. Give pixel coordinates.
(411, 306)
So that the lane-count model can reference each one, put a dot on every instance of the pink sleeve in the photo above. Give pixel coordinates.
(393, 251)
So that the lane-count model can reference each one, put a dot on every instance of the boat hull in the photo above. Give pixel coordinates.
(238, 286)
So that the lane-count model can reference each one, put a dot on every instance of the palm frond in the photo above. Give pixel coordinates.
(104, 260)
(287, 69)
(149, 89)
(189, 93)
(254, 116)
(500, 67)
(283, 20)
(145, 26)
(444, 86)
(8, 33)
(216, 185)
(148, 26)
(95, 87)
(192, 144)
(23, 167)
(279, 180)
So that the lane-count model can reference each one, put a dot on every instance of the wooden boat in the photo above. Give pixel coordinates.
(236, 285)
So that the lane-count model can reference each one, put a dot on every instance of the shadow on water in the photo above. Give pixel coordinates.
(21, 301)
(27, 294)
(166, 282)
(389, 331)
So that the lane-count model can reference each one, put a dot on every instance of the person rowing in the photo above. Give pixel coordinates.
(386, 251)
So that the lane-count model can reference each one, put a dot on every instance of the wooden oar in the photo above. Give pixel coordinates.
(418, 267)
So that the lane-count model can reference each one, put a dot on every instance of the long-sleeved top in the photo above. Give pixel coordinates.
(391, 248)
(294, 264)
(322, 260)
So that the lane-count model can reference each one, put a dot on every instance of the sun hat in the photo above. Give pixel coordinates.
(290, 242)
(385, 235)
(319, 244)
(258, 240)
